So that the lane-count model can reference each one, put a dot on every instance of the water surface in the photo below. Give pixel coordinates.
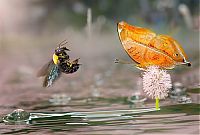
(112, 116)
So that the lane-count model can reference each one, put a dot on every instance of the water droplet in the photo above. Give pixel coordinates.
(17, 116)
(184, 100)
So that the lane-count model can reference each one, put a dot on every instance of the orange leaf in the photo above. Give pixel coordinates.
(148, 49)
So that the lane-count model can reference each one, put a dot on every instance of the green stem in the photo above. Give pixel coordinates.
(157, 104)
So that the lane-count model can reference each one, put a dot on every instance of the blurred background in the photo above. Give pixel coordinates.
(30, 31)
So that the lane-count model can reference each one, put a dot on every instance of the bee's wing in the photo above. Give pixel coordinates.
(44, 70)
(53, 73)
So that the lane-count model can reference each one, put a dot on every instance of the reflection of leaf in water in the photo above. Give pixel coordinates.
(132, 119)
(190, 109)
(83, 121)
(195, 90)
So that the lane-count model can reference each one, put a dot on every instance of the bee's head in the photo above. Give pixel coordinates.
(60, 50)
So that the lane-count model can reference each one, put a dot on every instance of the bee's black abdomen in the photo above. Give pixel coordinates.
(74, 68)
(68, 68)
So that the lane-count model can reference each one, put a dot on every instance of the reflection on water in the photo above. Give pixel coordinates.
(103, 116)
(59, 99)
(178, 93)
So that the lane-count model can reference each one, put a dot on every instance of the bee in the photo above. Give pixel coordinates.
(60, 63)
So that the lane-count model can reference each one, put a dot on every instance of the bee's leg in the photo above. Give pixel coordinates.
(65, 48)
(69, 64)
(64, 57)
(75, 61)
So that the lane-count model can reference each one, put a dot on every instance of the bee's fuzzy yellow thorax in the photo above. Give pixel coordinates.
(55, 59)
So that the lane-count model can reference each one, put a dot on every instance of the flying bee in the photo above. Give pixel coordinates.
(60, 63)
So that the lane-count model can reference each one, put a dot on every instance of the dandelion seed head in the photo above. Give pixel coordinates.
(156, 82)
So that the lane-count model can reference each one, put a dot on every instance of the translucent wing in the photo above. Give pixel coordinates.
(44, 70)
(52, 75)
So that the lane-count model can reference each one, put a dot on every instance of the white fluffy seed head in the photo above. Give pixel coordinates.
(156, 82)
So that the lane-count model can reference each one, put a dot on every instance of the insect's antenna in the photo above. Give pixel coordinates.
(62, 43)
(122, 61)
